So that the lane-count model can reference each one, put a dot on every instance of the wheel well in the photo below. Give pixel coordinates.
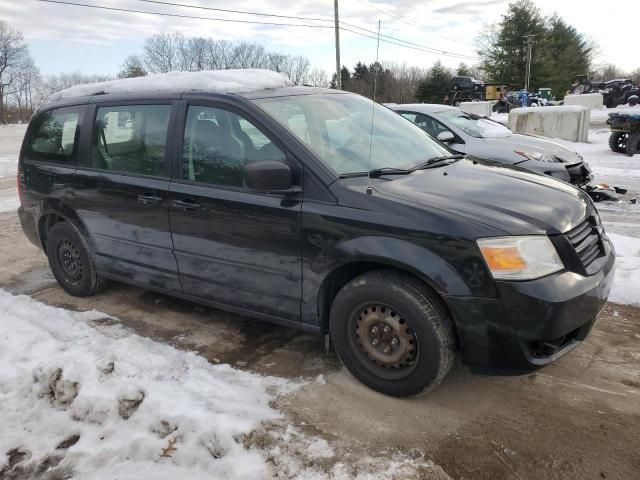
(343, 275)
(44, 225)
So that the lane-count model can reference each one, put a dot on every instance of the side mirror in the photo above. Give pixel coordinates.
(269, 176)
(446, 137)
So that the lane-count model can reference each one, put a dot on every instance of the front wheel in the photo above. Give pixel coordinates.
(618, 142)
(71, 262)
(392, 333)
(633, 144)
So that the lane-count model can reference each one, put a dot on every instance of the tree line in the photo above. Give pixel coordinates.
(23, 88)
(559, 53)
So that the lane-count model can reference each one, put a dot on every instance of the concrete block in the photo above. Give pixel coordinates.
(588, 100)
(479, 108)
(568, 122)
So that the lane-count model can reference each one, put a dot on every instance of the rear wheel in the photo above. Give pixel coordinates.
(71, 262)
(618, 142)
(392, 333)
(633, 144)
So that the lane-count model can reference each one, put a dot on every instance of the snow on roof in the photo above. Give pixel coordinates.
(214, 81)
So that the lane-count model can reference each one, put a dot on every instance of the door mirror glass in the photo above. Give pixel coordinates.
(446, 137)
(269, 176)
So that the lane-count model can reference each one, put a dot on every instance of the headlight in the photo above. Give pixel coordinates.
(541, 157)
(520, 258)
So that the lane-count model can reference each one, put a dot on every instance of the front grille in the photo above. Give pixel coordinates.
(586, 241)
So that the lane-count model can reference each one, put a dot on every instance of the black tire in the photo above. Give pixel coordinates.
(414, 312)
(618, 142)
(71, 262)
(633, 144)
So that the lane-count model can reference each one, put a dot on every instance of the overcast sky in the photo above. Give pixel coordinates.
(70, 38)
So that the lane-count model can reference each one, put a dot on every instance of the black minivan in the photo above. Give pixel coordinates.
(321, 210)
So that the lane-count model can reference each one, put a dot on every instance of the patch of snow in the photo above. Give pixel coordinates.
(626, 110)
(492, 129)
(555, 108)
(626, 286)
(131, 405)
(214, 81)
(502, 118)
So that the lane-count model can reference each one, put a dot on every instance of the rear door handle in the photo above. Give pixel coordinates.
(187, 204)
(148, 198)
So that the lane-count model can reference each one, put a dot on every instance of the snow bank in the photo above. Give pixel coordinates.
(123, 399)
(626, 286)
(215, 81)
(554, 108)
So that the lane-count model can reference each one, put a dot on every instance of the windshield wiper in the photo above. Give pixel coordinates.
(435, 160)
(377, 172)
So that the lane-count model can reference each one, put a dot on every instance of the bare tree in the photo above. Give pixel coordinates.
(163, 52)
(316, 77)
(14, 58)
(299, 68)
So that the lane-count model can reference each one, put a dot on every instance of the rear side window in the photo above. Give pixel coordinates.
(55, 135)
(131, 139)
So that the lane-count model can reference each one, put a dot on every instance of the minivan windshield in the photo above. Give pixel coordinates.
(474, 125)
(338, 129)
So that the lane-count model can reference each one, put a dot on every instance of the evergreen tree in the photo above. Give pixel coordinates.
(504, 52)
(434, 86)
(345, 76)
(132, 67)
(559, 52)
(566, 53)
(464, 70)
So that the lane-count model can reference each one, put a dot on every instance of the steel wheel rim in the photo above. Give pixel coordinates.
(385, 340)
(70, 262)
(622, 141)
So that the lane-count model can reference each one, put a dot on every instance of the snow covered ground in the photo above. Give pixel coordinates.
(84, 397)
(121, 400)
(10, 141)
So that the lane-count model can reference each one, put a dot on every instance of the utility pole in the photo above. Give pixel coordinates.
(529, 41)
(337, 20)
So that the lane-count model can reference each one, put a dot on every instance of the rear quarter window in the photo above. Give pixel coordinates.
(54, 135)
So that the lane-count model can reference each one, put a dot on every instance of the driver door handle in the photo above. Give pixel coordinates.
(148, 198)
(188, 204)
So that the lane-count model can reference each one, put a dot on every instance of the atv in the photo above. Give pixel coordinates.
(625, 131)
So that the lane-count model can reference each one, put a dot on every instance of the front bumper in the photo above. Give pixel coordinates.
(532, 323)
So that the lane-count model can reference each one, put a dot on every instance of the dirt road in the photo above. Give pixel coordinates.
(577, 419)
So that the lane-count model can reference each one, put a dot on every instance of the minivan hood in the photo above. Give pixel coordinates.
(529, 144)
(505, 197)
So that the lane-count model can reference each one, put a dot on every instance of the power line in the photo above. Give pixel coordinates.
(244, 12)
(413, 24)
(406, 46)
(164, 14)
(389, 39)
